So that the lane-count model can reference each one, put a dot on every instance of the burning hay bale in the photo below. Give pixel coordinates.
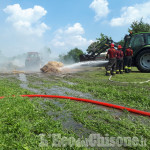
(52, 67)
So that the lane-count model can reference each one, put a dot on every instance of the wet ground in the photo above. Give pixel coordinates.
(64, 115)
(34, 82)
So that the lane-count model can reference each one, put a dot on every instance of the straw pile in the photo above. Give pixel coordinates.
(52, 67)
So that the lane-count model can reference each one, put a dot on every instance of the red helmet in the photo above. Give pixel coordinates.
(112, 45)
(119, 47)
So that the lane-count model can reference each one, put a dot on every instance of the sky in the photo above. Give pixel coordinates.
(61, 25)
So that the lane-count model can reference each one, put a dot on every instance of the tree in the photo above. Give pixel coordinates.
(136, 27)
(103, 37)
(139, 26)
(72, 56)
(93, 46)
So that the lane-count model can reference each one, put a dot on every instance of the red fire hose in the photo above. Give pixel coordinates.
(93, 102)
(90, 101)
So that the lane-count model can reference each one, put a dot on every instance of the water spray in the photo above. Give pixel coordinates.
(98, 63)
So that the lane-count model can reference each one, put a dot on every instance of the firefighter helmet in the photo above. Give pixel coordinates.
(112, 45)
(119, 47)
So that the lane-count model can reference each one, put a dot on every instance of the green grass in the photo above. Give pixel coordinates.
(23, 119)
(131, 95)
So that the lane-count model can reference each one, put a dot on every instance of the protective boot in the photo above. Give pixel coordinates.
(121, 71)
(129, 69)
(107, 73)
(113, 73)
(117, 72)
(126, 69)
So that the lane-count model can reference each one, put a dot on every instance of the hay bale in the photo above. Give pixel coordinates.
(52, 67)
(55, 64)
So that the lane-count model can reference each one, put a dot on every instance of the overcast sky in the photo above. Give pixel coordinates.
(30, 25)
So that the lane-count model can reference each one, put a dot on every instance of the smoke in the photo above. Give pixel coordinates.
(18, 62)
(8, 64)
(21, 32)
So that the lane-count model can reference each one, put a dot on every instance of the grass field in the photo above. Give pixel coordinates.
(33, 123)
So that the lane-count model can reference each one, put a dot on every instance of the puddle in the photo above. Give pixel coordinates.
(70, 83)
(22, 77)
(57, 103)
(24, 84)
(68, 122)
(66, 92)
(77, 127)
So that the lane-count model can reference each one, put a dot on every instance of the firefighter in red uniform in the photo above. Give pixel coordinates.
(128, 63)
(119, 68)
(111, 54)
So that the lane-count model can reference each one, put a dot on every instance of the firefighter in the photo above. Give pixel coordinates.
(119, 68)
(128, 56)
(111, 55)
